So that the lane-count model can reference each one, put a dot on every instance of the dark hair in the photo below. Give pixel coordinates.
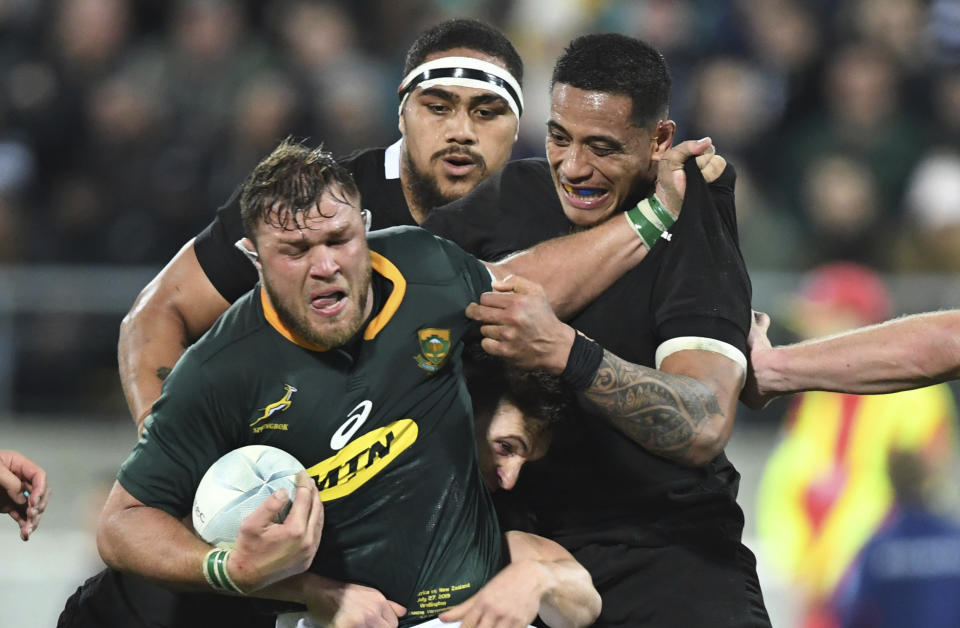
(288, 181)
(617, 64)
(465, 33)
(535, 393)
(908, 477)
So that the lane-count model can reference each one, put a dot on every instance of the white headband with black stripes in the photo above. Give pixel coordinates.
(464, 72)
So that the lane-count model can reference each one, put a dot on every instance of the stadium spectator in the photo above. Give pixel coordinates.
(909, 572)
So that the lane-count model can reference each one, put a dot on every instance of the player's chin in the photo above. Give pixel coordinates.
(588, 216)
(453, 188)
(337, 332)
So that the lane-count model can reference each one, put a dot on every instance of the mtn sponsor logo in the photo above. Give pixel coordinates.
(362, 459)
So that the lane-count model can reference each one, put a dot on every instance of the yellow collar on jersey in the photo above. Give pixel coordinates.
(380, 265)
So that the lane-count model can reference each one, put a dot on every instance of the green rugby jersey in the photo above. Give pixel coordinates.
(385, 430)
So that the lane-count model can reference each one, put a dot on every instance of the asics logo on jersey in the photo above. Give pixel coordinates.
(434, 346)
(355, 420)
(359, 461)
(277, 406)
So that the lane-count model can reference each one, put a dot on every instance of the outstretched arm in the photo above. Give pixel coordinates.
(542, 579)
(576, 269)
(683, 411)
(172, 311)
(900, 354)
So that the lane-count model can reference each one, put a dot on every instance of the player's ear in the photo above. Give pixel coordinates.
(662, 138)
(246, 246)
(402, 125)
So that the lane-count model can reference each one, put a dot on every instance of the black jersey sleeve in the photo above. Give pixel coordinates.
(184, 435)
(703, 288)
(230, 272)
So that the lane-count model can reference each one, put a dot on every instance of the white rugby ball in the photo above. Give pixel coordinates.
(236, 484)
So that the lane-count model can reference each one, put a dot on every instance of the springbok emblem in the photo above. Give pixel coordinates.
(277, 406)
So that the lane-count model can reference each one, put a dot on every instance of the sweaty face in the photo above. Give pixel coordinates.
(600, 161)
(453, 137)
(510, 439)
(317, 271)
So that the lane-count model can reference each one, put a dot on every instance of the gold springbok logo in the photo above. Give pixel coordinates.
(277, 406)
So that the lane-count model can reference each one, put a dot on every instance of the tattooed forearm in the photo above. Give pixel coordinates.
(664, 413)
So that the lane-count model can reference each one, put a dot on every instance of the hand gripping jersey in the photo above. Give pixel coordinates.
(383, 425)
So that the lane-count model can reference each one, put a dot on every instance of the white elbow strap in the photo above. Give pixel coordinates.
(700, 343)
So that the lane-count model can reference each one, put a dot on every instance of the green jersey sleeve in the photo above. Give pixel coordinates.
(474, 272)
(186, 432)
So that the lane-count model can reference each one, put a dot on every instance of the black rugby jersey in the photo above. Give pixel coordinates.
(231, 272)
(660, 540)
(595, 483)
(385, 429)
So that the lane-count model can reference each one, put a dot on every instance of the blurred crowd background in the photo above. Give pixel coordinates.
(124, 124)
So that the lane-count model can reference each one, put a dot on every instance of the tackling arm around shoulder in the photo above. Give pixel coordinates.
(172, 311)
(542, 579)
(683, 411)
(577, 268)
(900, 354)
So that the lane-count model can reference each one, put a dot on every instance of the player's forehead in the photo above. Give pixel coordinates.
(335, 213)
(509, 420)
(589, 115)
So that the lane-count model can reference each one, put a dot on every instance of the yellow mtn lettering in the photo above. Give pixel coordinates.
(362, 458)
(277, 406)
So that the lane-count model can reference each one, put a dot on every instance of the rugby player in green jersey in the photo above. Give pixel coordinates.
(371, 337)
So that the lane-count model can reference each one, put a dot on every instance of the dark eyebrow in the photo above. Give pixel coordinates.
(488, 98)
(440, 93)
(553, 126)
(479, 99)
(519, 444)
(590, 139)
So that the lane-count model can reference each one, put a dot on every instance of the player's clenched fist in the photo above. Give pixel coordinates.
(518, 325)
(266, 551)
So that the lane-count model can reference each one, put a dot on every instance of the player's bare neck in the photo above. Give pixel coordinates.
(418, 213)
